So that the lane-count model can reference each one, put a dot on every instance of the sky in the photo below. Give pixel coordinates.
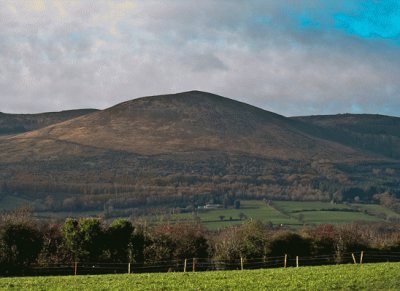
(291, 57)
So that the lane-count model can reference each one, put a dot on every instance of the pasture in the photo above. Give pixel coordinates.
(288, 213)
(292, 214)
(382, 276)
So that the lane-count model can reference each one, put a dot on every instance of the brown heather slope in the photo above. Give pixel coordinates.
(183, 149)
(186, 122)
(17, 123)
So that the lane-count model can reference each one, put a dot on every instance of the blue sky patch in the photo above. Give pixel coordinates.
(306, 21)
(371, 19)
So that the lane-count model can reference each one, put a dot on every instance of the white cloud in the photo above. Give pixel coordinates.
(57, 55)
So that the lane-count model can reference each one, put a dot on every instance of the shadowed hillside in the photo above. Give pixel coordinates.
(17, 123)
(375, 133)
(184, 149)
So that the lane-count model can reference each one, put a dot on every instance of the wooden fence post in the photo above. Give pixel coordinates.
(129, 268)
(241, 263)
(297, 261)
(184, 266)
(194, 265)
(354, 258)
(285, 261)
(76, 268)
(361, 257)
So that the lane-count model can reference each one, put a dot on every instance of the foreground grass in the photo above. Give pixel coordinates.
(383, 276)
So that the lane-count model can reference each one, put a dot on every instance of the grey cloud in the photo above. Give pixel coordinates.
(95, 55)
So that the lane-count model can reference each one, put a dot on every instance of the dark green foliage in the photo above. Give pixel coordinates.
(119, 240)
(84, 238)
(138, 245)
(20, 245)
(291, 244)
(72, 237)
(92, 238)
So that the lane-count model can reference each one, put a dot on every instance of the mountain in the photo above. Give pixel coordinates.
(189, 122)
(183, 149)
(375, 133)
(17, 123)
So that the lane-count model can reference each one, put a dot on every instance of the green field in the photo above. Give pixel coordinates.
(382, 276)
(295, 206)
(254, 209)
(376, 209)
(325, 212)
(290, 213)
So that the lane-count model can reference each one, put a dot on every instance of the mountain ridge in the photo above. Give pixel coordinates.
(186, 121)
(176, 148)
(18, 123)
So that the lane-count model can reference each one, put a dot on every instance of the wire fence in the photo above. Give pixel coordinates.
(207, 264)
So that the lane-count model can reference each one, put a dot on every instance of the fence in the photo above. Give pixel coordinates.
(207, 264)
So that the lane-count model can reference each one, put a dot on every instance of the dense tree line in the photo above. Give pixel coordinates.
(129, 182)
(25, 242)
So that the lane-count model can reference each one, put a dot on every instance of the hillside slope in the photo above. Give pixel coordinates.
(18, 123)
(375, 133)
(189, 122)
(184, 149)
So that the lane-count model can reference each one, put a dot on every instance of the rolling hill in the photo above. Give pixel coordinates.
(18, 123)
(375, 133)
(187, 148)
(189, 122)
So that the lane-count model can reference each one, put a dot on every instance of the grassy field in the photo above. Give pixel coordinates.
(254, 209)
(377, 210)
(325, 212)
(290, 213)
(382, 276)
(295, 206)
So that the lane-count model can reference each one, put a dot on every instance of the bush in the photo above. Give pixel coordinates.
(248, 240)
(290, 243)
(20, 246)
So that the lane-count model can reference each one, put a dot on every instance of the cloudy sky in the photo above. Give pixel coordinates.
(289, 56)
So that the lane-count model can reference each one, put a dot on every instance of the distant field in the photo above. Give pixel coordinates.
(382, 276)
(254, 209)
(290, 213)
(324, 212)
(287, 213)
(377, 210)
(294, 206)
